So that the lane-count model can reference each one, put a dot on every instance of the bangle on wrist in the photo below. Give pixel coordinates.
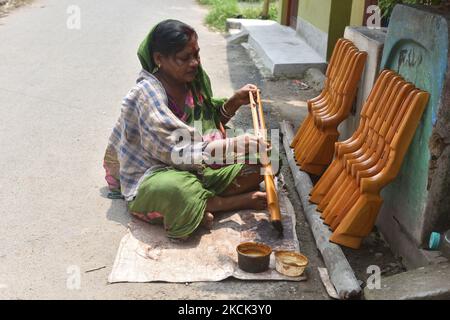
(225, 113)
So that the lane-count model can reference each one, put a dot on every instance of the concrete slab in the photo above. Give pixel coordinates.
(233, 23)
(283, 52)
(371, 41)
(426, 283)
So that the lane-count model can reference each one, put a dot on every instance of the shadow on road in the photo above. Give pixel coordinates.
(118, 210)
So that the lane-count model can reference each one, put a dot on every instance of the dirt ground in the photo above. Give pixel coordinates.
(7, 5)
(282, 101)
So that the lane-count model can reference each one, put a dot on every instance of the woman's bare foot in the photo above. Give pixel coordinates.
(257, 200)
(208, 220)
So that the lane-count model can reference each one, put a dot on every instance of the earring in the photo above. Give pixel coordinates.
(156, 69)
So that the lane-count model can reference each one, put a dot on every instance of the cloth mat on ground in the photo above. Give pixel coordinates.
(146, 254)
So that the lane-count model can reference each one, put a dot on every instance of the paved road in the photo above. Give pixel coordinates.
(60, 93)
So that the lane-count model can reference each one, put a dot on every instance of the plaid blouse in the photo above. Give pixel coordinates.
(146, 136)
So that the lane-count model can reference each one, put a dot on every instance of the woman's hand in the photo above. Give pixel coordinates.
(240, 98)
(249, 143)
(242, 95)
(240, 145)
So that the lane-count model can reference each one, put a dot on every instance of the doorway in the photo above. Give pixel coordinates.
(292, 13)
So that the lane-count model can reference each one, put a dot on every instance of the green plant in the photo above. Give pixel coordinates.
(255, 12)
(250, 13)
(273, 11)
(387, 6)
(206, 2)
(221, 10)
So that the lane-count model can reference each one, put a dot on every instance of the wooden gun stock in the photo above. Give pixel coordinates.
(259, 126)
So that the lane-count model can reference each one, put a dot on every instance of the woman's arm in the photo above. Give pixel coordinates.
(241, 97)
(160, 131)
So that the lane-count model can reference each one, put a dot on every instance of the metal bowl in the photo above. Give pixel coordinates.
(290, 263)
(253, 257)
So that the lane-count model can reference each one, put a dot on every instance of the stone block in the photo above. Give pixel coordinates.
(425, 283)
(371, 41)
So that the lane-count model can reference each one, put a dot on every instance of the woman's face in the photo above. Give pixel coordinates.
(182, 66)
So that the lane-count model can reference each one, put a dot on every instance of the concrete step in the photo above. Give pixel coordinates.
(282, 51)
(426, 283)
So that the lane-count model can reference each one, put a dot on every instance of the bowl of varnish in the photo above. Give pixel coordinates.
(253, 257)
(290, 263)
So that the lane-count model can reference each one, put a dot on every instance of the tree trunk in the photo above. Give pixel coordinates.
(265, 11)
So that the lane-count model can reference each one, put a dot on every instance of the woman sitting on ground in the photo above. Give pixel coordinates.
(142, 158)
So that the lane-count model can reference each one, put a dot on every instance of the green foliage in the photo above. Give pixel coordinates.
(250, 13)
(273, 11)
(387, 6)
(221, 10)
(219, 13)
(205, 2)
(255, 12)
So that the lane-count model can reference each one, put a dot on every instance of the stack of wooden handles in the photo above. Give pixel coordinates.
(349, 192)
(315, 139)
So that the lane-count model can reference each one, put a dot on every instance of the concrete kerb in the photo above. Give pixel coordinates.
(340, 271)
(425, 283)
(238, 38)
